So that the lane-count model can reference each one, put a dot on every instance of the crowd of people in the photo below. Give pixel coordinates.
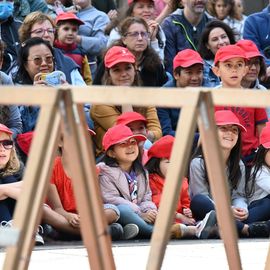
(157, 43)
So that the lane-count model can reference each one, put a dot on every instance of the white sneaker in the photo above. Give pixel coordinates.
(130, 231)
(38, 238)
(205, 226)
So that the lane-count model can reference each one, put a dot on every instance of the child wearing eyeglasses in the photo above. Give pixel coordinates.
(67, 27)
(11, 174)
(230, 64)
(124, 182)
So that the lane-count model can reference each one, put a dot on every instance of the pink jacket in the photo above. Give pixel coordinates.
(115, 189)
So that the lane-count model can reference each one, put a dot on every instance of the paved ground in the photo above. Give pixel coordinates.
(182, 254)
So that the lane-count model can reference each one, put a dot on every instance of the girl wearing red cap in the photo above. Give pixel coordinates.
(258, 186)
(229, 134)
(120, 70)
(157, 166)
(123, 180)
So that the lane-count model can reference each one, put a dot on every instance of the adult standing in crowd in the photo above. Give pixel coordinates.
(182, 29)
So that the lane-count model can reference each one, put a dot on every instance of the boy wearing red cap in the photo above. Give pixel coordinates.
(231, 66)
(67, 27)
(187, 72)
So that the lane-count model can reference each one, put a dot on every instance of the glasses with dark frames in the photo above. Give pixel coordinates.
(7, 144)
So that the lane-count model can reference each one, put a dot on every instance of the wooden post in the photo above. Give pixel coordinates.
(81, 164)
(35, 182)
(218, 182)
(177, 170)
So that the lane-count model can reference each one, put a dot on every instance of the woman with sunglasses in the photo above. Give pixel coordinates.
(35, 59)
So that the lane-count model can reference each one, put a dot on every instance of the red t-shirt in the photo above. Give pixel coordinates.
(249, 118)
(64, 186)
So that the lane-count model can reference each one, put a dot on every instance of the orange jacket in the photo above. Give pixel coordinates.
(156, 185)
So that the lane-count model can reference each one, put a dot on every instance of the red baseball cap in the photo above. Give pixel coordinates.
(129, 117)
(250, 48)
(68, 16)
(187, 58)
(227, 117)
(265, 136)
(162, 148)
(228, 52)
(5, 129)
(118, 54)
(131, 1)
(117, 134)
(24, 141)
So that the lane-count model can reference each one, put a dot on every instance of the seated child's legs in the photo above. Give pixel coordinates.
(112, 213)
(127, 215)
(200, 205)
(259, 210)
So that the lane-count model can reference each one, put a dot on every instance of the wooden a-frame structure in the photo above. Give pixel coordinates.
(65, 106)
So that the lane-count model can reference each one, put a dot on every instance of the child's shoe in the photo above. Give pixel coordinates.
(176, 231)
(204, 228)
(130, 231)
(116, 231)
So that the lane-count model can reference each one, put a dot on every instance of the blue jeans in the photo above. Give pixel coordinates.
(127, 215)
(200, 205)
(259, 210)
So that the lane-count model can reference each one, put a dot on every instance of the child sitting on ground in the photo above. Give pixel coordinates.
(231, 66)
(157, 166)
(67, 27)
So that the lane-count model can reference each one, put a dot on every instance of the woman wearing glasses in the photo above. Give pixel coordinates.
(35, 59)
(38, 24)
(135, 36)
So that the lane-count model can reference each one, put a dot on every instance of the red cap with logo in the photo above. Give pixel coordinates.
(250, 48)
(68, 16)
(187, 58)
(117, 134)
(118, 54)
(265, 136)
(162, 148)
(5, 129)
(129, 117)
(229, 52)
(227, 117)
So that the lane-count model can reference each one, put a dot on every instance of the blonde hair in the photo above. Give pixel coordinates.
(31, 19)
(13, 164)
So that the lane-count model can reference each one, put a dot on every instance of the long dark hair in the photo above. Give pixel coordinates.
(22, 76)
(152, 166)
(234, 171)
(259, 162)
(202, 48)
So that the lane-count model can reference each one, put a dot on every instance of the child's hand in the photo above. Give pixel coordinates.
(187, 212)
(73, 219)
(149, 216)
(184, 219)
(240, 213)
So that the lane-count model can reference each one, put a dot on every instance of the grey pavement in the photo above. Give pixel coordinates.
(180, 254)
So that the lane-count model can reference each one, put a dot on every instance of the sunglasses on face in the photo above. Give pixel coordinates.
(39, 59)
(127, 143)
(7, 144)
